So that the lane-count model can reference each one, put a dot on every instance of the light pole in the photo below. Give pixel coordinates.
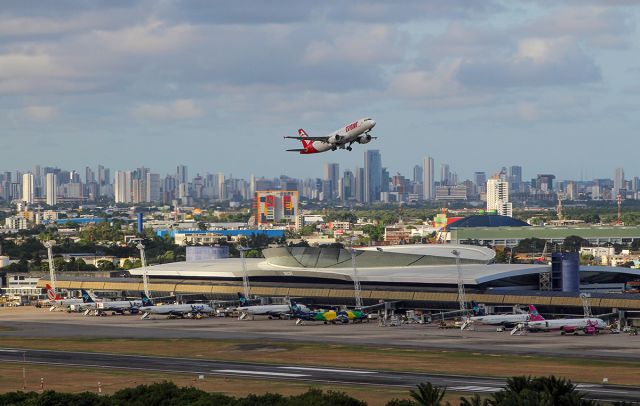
(145, 276)
(52, 269)
(461, 296)
(356, 280)
(245, 275)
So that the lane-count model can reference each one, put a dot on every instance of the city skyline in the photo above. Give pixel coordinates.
(548, 86)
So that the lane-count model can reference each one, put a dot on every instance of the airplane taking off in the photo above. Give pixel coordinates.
(343, 138)
(588, 325)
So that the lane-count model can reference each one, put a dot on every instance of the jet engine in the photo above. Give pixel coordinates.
(364, 139)
(334, 139)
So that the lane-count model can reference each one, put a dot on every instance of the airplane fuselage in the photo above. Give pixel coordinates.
(177, 309)
(267, 310)
(342, 138)
(500, 319)
(567, 325)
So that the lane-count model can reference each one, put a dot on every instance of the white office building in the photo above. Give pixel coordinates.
(28, 185)
(51, 186)
(498, 197)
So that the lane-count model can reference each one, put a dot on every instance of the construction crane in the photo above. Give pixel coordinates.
(52, 268)
(145, 275)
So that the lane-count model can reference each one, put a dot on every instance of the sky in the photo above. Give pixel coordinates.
(553, 86)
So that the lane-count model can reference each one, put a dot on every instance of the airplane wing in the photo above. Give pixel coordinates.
(322, 139)
(296, 150)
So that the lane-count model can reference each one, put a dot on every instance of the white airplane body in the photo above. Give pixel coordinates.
(537, 322)
(176, 309)
(342, 138)
(275, 310)
(119, 306)
(500, 319)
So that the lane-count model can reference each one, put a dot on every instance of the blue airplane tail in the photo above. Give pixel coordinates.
(477, 311)
(86, 297)
(242, 298)
(145, 300)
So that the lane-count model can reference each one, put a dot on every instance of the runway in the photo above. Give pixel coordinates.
(292, 372)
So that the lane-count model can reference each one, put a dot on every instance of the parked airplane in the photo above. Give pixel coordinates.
(343, 138)
(588, 325)
(272, 310)
(505, 320)
(326, 317)
(118, 306)
(56, 301)
(173, 310)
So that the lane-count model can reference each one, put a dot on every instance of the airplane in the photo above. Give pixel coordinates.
(55, 300)
(588, 325)
(118, 306)
(272, 310)
(326, 317)
(343, 138)
(505, 320)
(173, 310)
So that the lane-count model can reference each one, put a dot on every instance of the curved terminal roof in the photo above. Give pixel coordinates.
(488, 220)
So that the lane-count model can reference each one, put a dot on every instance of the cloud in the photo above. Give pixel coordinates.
(40, 113)
(179, 109)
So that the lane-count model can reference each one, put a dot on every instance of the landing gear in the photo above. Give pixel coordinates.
(333, 148)
(349, 148)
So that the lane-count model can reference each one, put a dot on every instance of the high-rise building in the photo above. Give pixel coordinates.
(222, 190)
(123, 186)
(332, 174)
(515, 178)
(417, 174)
(498, 197)
(89, 175)
(618, 183)
(373, 175)
(359, 192)
(28, 188)
(445, 175)
(348, 186)
(428, 190)
(480, 180)
(274, 206)
(153, 187)
(51, 187)
(181, 174)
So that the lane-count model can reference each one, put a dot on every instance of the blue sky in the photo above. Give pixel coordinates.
(551, 85)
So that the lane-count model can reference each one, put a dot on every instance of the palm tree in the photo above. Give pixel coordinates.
(426, 394)
(475, 400)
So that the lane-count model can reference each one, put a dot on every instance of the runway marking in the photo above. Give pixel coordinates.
(242, 371)
(345, 371)
(472, 388)
(7, 350)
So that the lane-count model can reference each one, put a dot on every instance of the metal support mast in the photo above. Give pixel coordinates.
(356, 280)
(52, 268)
(461, 296)
(585, 304)
(145, 276)
(245, 274)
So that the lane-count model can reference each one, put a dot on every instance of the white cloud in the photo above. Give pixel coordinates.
(40, 113)
(179, 109)
(154, 36)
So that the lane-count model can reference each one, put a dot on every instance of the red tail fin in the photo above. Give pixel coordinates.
(305, 143)
(51, 293)
(534, 315)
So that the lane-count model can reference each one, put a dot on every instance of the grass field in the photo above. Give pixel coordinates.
(384, 358)
(86, 379)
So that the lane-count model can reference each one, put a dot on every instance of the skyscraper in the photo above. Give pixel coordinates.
(618, 183)
(480, 180)
(123, 186)
(498, 197)
(445, 175)
(515, 178)
(417, 174)
(373, 175)
(332, 174)
(28, 185)
(51, 189)
(428, 191)
(153, 187)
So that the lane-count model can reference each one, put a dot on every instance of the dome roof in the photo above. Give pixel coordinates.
(489, 220)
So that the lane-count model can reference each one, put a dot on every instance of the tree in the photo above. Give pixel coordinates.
(573, 243)
(106, 265)
(426, 394)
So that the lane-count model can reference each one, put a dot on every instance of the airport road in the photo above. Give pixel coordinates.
(455, 383)
(40, 323)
